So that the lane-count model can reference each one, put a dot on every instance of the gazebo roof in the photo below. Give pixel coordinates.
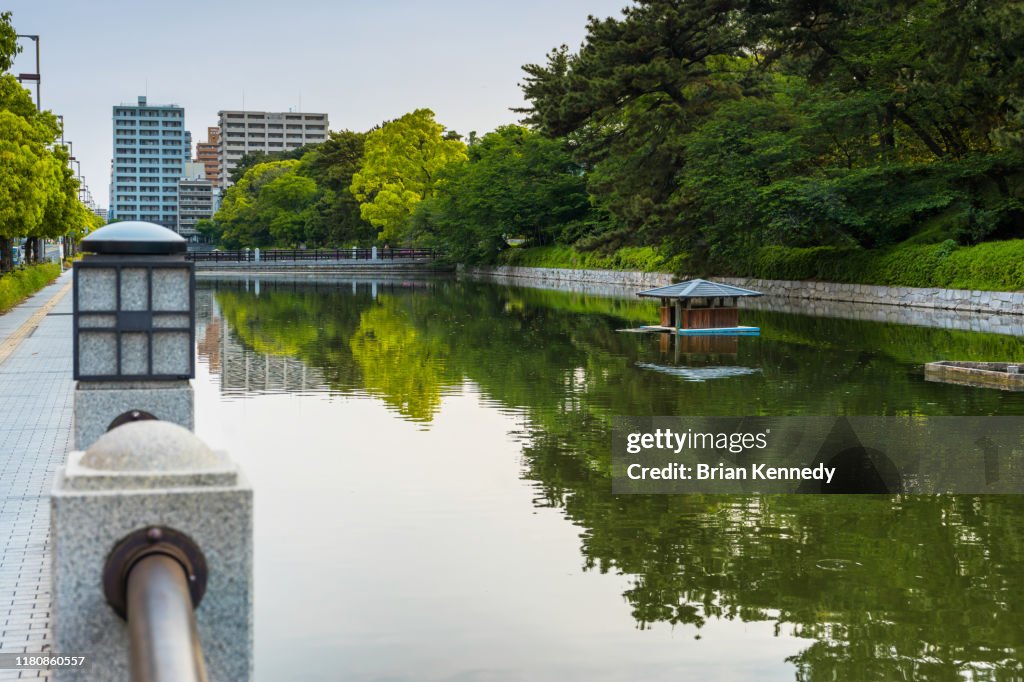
(698, 288)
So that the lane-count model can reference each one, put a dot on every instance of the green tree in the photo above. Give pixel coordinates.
(713, 125)
(637, 85)
(402, 165)
(517, 183)
(38, 192)
(29, 178)
(286, 205)
(242, 220)
(253, 158)
(9, 48)
(332, 165)
(64, 212)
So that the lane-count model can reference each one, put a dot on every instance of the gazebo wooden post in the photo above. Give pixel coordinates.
(679, 316)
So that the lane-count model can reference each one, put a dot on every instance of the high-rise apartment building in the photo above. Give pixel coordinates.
(195, 201)
(207, 154)
(250, 131)
(151, 147)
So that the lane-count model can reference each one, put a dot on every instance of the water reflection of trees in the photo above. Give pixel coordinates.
(397, 364)
(888, 588)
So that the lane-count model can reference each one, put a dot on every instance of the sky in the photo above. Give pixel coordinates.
(361, 62)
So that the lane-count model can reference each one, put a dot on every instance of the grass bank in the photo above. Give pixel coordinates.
(16, 286)
(992, 266)
(640, 258)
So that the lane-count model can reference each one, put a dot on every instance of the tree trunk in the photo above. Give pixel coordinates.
(886, 131)
(921, 133)
(6, 257)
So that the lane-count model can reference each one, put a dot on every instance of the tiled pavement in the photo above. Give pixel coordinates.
(35, 435)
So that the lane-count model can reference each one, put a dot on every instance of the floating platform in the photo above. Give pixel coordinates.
(1005, 376)
(712, 331)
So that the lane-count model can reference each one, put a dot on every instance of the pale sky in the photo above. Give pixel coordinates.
(361, 62)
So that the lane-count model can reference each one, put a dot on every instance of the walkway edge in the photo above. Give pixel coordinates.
(11, 343)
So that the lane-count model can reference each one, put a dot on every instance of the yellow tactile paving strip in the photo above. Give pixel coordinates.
(11, 343)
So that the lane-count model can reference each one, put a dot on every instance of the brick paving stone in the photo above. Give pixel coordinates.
(35, 436)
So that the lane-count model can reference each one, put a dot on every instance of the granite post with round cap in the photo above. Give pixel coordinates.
(150, 479)
(134, 328)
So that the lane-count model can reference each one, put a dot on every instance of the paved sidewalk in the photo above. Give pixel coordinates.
(35, 436)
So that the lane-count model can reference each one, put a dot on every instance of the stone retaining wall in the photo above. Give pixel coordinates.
(971, 300)
(990, 322)
(968, 300)
(555, 276)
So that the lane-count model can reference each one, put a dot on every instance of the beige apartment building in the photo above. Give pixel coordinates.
(195, 201)
(249, 131)
(207, 153)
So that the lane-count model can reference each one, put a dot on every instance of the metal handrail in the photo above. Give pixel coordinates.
(162, 630)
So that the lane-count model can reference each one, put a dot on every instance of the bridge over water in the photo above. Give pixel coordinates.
(347, 260)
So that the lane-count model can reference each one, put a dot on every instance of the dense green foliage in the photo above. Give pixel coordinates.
(300, 200)
(18, 285)
(997, 266)
(717, 126)
(715, 132)
(516, 183)
(38, 191)
(253, 158)
(403, 165)
(642, 258)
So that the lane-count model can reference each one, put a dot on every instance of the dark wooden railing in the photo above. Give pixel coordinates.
(307, 255)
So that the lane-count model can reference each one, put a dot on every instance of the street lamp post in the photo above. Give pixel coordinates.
(69, 242)
(33, 76)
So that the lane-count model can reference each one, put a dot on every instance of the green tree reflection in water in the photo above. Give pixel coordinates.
(886, 587)
(397, 364)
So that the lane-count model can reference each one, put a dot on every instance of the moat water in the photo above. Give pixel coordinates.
(433, 501)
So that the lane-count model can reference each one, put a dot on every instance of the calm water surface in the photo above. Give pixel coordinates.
(433, 502)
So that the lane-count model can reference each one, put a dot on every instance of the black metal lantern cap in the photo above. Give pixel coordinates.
(135, 238)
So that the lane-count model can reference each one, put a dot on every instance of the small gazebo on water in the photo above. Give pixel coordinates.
(700, 307)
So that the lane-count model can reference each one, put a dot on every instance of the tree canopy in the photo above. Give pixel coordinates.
(716, 125)
(708, 130)
(38, 191)
(301, 200)
(403, 163)
(516, 184)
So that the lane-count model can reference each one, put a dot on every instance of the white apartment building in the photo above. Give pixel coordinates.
(151, 147)
(265, 131)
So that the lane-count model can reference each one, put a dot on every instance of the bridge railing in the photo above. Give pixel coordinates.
(307, 255)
